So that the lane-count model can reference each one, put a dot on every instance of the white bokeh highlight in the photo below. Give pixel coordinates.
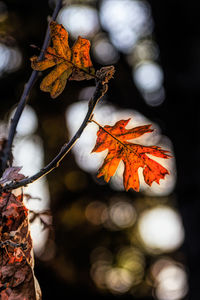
(28, 123)
(148, 76)
(79, 20)
(170, 279)
(10, 59)
(161, 229)
(126, 21)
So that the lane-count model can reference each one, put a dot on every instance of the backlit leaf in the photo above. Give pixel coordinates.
(72, 64)
(114, 138)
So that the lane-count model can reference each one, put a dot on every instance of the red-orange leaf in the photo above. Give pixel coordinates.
(72, 64)
(114, 138)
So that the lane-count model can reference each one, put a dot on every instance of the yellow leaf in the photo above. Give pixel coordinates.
(73, 64)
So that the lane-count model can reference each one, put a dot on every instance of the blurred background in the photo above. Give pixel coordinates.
(104, 242)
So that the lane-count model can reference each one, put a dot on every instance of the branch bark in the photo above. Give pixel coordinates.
(25, 95)
(103, 75)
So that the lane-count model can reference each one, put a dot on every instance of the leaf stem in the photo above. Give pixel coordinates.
(25, 95)
(70, 62)
(64, 59)
(101, 89)
(124, 145)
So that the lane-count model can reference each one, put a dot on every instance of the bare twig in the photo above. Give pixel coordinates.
(25, 95)
(104, 75)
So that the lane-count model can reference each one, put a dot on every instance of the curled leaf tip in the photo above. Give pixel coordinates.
(105, 74)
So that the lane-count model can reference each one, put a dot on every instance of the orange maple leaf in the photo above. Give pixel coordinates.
(72, 64)
(114, 138)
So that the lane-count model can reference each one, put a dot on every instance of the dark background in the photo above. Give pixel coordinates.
(177, 33)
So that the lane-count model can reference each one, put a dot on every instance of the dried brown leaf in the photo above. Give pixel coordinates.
(12, 174)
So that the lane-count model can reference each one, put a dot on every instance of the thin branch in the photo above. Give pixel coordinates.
(104, 75)
(25, 95)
